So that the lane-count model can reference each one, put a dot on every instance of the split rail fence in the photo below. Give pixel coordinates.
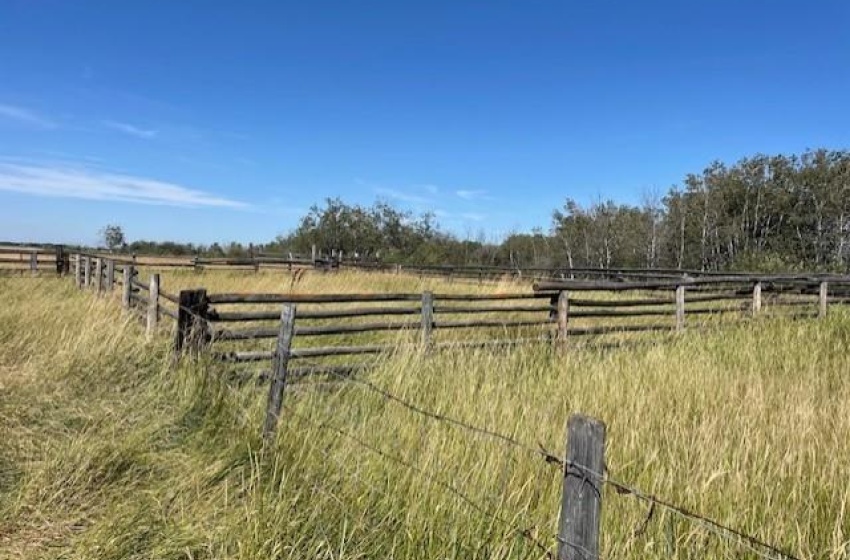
(328, 330)
(34, 260)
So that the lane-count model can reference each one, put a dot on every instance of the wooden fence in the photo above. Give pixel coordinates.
(328, 331)
(461, 273)
(34, 260)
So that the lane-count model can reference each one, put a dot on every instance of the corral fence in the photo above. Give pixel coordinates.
(556, 309)
(333, 332)
(22, 259)
(34, 260)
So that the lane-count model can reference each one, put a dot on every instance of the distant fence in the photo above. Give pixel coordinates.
(34, 260)
(264, 262)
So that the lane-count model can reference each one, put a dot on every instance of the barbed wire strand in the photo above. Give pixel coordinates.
(525, 533)
(758, 546)
(755, 544)
(541, 451)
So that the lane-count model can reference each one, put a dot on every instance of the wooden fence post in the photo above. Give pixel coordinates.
(191, 330)
(78, 270)
(128, 286)
(680, 307)
(63, 261)
(427, 318)
(153, 305)
(756, 298)
(822, 299)
(110, 275)
(279, 370)
(563, 317)
(34, 263)
(98, 275)
(87, 271)
(581, 501)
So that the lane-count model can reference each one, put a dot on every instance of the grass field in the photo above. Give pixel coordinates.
(107, 451)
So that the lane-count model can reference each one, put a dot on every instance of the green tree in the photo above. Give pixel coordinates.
(112, 236)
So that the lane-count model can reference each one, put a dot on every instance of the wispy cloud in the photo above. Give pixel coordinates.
(25, 116)
(130, 129)
(471, 194)
(83, 182)
(459, 218)
(401, 195)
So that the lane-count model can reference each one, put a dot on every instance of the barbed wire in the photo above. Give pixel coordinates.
(757, 545)
(525, 533)
(548, 457)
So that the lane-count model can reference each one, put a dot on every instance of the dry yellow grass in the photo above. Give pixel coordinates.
(108, 452)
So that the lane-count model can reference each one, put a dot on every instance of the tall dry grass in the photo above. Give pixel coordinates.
(109, 452)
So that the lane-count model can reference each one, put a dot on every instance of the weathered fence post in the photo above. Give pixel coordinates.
(98, 275)
(191, 330)
(581, 501)
(64, 260)
(153, 305)
(313, 253)
(822, 299)
(127, 286)
(756, 298)
(279, 370)
(60, 259)
(680, 307)
(87, 271)
(110, 275)
(563, 317)
(78, 270)
(34, 263)
(427, 318)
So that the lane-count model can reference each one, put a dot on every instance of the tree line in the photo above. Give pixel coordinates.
(761, 213)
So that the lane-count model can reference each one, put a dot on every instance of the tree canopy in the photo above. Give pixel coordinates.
(761, 213)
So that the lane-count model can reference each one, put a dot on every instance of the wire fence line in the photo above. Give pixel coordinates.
(756, 545)
(526, 533)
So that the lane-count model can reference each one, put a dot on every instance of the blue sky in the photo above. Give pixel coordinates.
(203, 120)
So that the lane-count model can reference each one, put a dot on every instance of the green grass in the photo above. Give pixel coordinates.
(107, 451)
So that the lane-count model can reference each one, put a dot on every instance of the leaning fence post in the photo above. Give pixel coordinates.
(191, 330)
(563, 317)
(427, 317)
(78, 271)
(127, 286)
(581, 501)
(822, 299)
(756, 298)
(680, 307)
(110, 275)
(279, 369)
(153, 305)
